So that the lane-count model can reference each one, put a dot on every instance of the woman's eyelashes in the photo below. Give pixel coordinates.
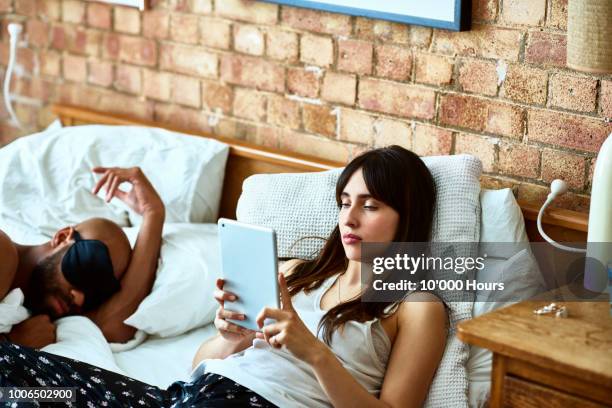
(366, 206)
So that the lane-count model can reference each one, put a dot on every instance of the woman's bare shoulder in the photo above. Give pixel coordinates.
(287, 267)
(421, 308)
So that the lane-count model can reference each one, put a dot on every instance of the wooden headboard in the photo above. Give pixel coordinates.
(246, 159)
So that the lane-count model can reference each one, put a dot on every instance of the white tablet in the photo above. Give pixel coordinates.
(249, 268)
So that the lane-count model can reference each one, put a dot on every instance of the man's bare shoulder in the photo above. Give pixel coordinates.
(8, 266)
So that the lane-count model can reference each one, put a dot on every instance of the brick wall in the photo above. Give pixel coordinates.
(326, 84)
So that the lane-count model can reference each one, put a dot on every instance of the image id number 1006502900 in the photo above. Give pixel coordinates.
(37, 394)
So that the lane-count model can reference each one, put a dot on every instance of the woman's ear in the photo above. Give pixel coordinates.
(62, 236)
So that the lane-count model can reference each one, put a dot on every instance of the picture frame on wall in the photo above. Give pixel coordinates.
(445, 14)
(140, 4)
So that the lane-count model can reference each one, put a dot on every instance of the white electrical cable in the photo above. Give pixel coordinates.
(557, 188)
(14, 30)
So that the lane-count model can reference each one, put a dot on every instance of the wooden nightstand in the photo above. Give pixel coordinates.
(543, 361)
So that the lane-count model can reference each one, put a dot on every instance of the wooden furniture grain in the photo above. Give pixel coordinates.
(544, 361)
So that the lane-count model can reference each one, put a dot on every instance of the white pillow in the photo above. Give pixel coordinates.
(513, 264)
(81, 339)
(296, 205)
(46, 178)
(182, 295)
(292, 202)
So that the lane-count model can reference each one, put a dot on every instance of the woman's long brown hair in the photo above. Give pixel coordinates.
(400, 179)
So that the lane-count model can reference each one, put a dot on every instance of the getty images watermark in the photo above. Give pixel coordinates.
(486, 272)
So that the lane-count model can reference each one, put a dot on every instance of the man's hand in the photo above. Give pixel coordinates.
(36, 332)
(142, 198)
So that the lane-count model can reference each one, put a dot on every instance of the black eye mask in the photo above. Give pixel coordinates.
(87, 266)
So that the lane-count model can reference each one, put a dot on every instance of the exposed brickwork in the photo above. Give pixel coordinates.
(434, 69)
(478, 76)
(566, 166)
(324, 83)
(396, 99)
(341, 88)
(525, 85)
(573, 93)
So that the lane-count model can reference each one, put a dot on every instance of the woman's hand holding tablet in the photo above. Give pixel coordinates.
(230, 331)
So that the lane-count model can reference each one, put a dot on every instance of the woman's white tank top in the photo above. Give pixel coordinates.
(362, 347)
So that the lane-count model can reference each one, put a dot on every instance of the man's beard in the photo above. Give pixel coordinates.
(43, 284)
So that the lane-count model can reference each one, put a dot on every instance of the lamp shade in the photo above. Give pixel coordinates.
(589, 35)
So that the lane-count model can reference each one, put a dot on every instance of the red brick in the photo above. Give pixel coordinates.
(248, 39)
(138, 51)
(397, 99)
(37, 33)
(525, 84)
(524, 12)
(392, 132)
(26, 7)
(495, 183)
(566, 166)
(201, 6)
(382, 31)
(155, 24)
(250, 105)
(567, 130)
(156, 85)
(339, 88)
(434, 69)
(101, 73)
(127, 20)
(484, 10)
(557, 18)
(320, 119)
(128, 79)
(481, 41)
(99, 16)
(50, 63)
(216, 96)
(355, 56)
(181, 117)
(50, 10)
(284, 112)
(546, 48)
(75, 68)
(356, 126)
(265, 135)
(186, 91)
(316, 21)
(282, 45)
(77, 40)
(73, 11)
(6, 6)
(314, 146)
(317, 50)
(517, 159)
(479, 146)
(303, 82)
(185, 28)
(481, 115)
(393, 62)
(215, 33)
(431, 141)
(111, 48)
(605, 101)
(253, 72)
(573, 93)
(247, 10)
(478, 76)
(189, 60)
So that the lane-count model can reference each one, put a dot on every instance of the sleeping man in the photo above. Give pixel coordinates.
(88, 269)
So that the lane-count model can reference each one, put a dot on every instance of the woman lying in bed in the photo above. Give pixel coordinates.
(364, 354)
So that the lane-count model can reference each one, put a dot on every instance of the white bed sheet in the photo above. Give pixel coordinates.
(161, 361)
